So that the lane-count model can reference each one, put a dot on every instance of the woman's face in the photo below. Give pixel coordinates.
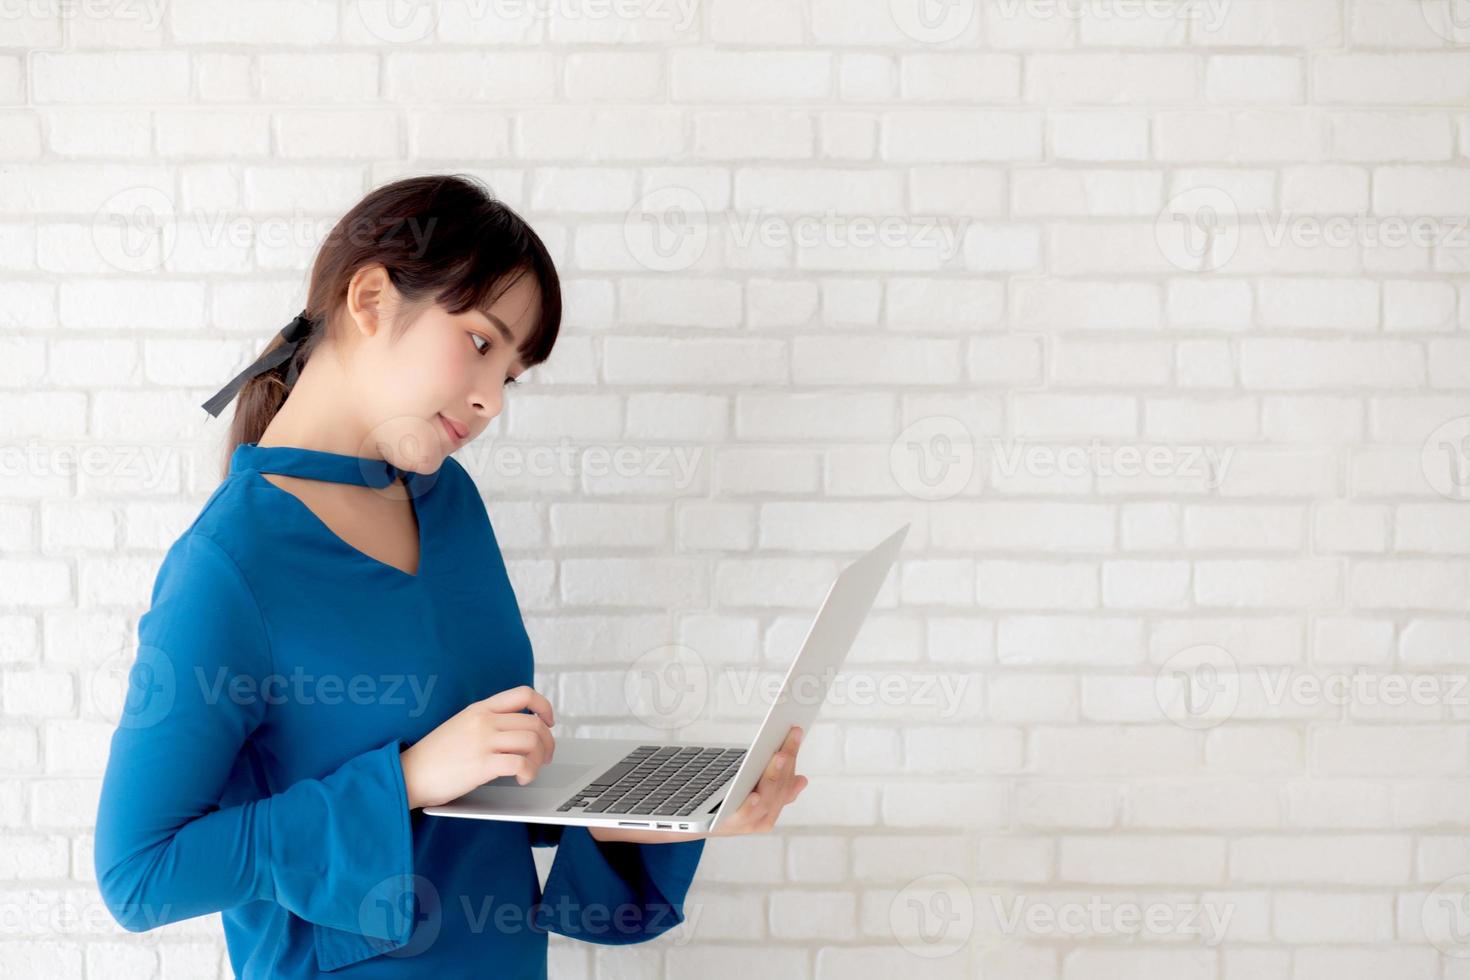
(441, 382)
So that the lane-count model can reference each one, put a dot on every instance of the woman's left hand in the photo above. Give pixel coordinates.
(777, 788)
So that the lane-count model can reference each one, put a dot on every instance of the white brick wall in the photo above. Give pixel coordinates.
(1145, 313)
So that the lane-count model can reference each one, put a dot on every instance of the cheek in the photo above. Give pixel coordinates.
(441, 368)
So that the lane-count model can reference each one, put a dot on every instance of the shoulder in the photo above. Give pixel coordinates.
(466, 501)
(461, 488)
(203, 609)
(203, 583)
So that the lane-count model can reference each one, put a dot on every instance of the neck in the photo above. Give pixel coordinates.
(313, 415)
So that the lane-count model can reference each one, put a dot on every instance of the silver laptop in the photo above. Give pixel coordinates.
(605, 782)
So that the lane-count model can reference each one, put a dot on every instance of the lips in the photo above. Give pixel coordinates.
(457, 430)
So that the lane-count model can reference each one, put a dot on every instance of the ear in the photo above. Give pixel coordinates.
(369, 298)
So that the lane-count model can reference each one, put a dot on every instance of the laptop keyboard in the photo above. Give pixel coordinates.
(658, 781)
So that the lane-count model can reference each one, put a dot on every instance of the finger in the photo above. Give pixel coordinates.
(775, 781)
(797, 785)
(519, 742)
(523, 767)
(530, 723)
(519, 699)
(793, 739)
(754, 809)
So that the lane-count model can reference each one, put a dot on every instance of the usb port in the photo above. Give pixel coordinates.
(665, 826)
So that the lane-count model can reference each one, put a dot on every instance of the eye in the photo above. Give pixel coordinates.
(511, 381)
(475, 339)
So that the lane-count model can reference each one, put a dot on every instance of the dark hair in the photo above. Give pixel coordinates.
(442, 238)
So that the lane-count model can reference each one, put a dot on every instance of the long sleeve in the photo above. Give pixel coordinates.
(616, 892)
(166, 850)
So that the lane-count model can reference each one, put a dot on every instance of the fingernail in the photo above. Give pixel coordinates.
(780, 762)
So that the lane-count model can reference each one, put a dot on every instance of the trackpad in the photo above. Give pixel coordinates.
(557, 775)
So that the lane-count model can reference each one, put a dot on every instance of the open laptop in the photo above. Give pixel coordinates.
(606, 782)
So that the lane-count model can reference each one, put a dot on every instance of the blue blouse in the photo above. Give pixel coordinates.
(255, 767)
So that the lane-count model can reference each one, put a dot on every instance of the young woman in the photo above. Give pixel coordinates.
(333, 644)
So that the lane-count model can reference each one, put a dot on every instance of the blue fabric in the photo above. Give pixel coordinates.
(255, 768)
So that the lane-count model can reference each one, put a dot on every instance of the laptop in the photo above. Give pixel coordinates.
(607, 782)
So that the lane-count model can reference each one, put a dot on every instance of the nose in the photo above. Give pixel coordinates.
(485, 406)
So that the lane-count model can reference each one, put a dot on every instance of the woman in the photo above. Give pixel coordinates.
(333, 644)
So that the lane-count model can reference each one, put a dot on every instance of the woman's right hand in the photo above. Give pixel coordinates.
(488, 739)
